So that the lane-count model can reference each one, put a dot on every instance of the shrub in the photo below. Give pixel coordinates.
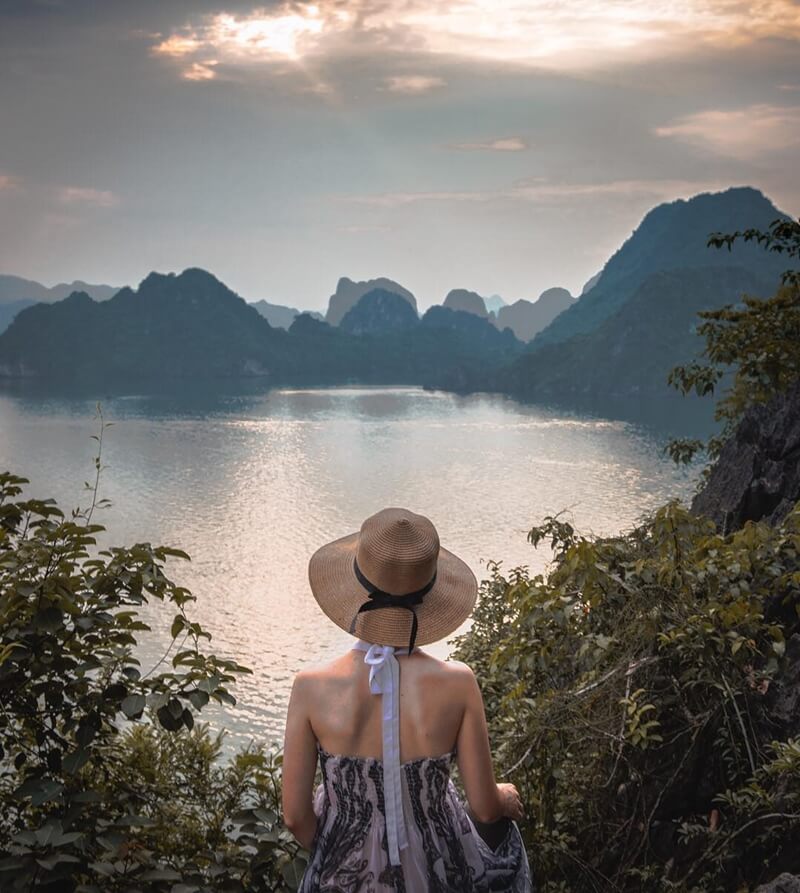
(106, 783)
(635, 696)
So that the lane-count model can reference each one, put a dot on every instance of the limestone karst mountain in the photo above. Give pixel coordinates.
(348, 294)
(527, 318)
(189, 329)
(468, 301)
(622, 337)
(494, 303)
(378, 312)
(672, 236)
(183, 325)
(10, 309)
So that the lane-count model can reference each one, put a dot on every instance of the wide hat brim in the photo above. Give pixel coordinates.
(338, 592)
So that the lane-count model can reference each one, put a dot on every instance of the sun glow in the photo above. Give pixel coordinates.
(281, 35)
(231, 39)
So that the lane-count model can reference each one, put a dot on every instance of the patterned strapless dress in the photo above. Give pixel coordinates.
(390, 827)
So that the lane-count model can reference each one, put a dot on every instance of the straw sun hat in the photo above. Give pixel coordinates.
(392, 583)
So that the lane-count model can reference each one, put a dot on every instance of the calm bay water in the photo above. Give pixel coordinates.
(251, 486)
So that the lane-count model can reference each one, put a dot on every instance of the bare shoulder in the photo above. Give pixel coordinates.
(459, 669)
(462, 680)
(309, 680)
(453, 673)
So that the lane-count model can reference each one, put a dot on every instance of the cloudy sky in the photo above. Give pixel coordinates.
(497, 145)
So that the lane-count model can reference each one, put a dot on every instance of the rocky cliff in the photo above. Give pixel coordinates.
(757, 475)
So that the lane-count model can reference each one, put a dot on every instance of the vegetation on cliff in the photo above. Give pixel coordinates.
(640, 694)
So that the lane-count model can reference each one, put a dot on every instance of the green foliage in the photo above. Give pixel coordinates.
(631, 697)
(782, 237)
(106, 783)
(754, 347)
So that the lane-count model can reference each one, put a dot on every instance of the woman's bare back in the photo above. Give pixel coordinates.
(441, 710)
(346, 717)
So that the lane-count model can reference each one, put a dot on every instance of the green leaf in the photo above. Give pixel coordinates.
(133, 706)
(76, 760)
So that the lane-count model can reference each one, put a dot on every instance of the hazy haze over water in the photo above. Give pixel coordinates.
(251, 486)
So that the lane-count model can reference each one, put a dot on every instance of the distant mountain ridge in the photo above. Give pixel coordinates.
(15, 289)
(590, 283)
(524, 318)
(17, 293)
(633, 323)
(190, 326)
(278, 315)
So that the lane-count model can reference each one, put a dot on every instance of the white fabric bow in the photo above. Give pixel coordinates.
(384, 679)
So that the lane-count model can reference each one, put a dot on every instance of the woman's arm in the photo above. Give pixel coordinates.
(487, 800)
(299, 765)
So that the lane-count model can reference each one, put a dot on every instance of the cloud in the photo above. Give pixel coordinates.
(95, 198)
(503, 144)
(199, 71)
(572, 34)
(177, 46)
(745, 134)
(543, 191)
(260, 36)
(7, 182)
(413, 83)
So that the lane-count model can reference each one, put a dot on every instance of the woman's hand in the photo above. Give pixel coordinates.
(512, 804)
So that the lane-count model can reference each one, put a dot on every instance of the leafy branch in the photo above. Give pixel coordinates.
(753, 347)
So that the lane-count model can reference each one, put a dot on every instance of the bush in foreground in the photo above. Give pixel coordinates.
(106, 782)
(642, 696)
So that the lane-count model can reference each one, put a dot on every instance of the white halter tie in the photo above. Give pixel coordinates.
(384, 679)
